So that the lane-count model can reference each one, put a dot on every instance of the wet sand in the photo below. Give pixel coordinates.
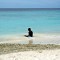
(11, 48)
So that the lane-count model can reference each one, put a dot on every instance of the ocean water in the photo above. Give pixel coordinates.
(17, 21)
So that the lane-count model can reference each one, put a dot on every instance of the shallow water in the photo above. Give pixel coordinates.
(37, 39)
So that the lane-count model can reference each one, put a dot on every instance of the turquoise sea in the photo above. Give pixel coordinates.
(16, 21)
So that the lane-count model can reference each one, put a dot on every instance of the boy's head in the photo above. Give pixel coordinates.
(29, 29)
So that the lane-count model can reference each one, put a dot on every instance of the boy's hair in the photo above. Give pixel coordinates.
(29, 29)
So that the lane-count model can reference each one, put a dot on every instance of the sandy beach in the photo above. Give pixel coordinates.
(33, 55)
(29, 52)
(18, 47)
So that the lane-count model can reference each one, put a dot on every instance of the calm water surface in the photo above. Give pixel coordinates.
(14, 21)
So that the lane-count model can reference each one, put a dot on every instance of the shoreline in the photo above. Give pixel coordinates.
(37, 39)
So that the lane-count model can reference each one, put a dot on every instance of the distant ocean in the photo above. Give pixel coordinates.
(18, 20)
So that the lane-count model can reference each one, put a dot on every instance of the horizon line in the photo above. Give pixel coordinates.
(46, 8)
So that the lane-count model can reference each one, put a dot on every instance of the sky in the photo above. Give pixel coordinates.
(29, 3)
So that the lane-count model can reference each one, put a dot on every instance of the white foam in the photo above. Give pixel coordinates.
(37, 39)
